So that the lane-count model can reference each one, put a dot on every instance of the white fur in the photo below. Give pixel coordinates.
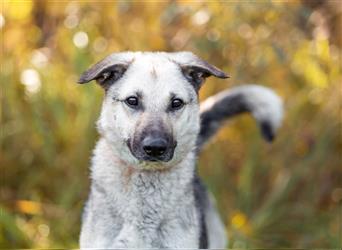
(137, 204)
(117, 121)
(266, 105)
(140, 204)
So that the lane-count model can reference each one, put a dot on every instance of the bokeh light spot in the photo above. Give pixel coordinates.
(29, 207)
(80, 39)
(2, 21)
(239, 220)
(44, 230)
(71, 21)
(245, 31)
(31, 79)
(40, 57)
(337, 195)
(201, 17)
(100, 44)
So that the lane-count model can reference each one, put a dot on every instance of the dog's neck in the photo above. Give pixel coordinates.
(129, 185)
(145, 201)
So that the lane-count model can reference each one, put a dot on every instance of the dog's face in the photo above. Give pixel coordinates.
(150, 114)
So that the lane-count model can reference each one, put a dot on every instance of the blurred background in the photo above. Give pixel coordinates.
(284, 194)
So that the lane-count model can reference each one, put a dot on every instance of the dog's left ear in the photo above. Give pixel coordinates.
(195, 69)
(108, 70)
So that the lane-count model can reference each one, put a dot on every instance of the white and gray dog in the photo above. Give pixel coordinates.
(145, 191)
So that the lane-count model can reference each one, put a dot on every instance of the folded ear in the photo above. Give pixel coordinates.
(108, 70)
(195, 69)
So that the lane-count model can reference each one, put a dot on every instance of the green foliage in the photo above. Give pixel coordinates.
(284, 194)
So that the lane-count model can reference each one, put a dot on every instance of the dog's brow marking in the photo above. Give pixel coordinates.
(154, 73)
(172, 95)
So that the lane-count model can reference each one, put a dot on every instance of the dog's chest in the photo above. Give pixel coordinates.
(156, 212)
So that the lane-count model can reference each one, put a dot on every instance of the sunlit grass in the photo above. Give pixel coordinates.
(284, 194)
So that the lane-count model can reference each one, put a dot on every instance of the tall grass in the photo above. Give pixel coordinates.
(284, 194)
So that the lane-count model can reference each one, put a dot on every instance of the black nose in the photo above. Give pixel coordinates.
(155, 147)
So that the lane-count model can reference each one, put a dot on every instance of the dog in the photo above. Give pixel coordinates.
(145, 191)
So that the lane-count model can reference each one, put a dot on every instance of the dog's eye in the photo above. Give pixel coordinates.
(176, 104)
(132, 101)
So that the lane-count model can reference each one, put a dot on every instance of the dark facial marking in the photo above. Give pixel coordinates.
(154, 73)
(152, 142)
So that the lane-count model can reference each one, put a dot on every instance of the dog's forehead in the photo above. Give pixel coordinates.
(153, 63)
(155, 75)
(165, 61)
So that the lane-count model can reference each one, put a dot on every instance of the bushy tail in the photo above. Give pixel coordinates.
(264, 105)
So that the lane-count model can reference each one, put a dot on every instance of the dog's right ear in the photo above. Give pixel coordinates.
(108, 70)
(195, 69)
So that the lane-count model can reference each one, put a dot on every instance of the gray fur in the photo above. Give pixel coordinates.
(138, 203)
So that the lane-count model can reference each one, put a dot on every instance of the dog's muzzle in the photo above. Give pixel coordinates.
(153, 148)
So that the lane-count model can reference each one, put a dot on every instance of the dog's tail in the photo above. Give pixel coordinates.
(264, 105)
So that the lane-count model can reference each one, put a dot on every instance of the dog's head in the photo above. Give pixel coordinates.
(150, 112)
